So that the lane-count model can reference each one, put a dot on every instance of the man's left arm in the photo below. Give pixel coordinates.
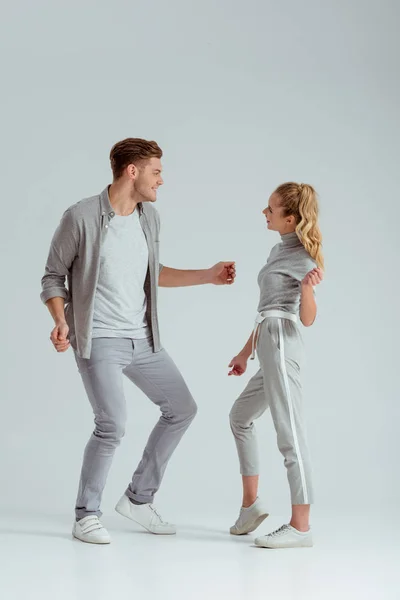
(223, 273)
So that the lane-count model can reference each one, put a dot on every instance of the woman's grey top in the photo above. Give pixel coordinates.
(280, 279)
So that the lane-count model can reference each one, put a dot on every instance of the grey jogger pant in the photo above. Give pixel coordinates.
(276, 385)
(158, 377)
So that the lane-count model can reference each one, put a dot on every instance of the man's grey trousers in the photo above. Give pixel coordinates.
(158, 377)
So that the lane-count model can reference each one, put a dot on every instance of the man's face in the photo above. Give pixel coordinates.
(148, 179)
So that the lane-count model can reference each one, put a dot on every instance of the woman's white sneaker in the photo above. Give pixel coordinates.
(90, 530)
(249, 518)
(286, 537)
(145, 515)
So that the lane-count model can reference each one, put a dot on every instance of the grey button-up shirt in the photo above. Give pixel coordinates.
(75, 254)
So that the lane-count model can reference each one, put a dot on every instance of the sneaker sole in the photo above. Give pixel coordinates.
(141, 524)
(252, 527)
(85, 541)
(261, 545)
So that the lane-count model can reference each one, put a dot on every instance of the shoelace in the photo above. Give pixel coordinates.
(280, 531)
(156, 513)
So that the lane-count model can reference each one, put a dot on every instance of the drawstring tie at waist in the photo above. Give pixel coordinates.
(279, 314)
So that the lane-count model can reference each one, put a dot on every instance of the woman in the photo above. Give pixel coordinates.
(287, 283)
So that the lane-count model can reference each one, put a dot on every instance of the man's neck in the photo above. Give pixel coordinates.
(123, 201)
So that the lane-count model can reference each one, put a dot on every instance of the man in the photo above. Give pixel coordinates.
(108, 248)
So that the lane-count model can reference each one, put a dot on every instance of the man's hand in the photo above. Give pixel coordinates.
(223, 273)
(59, 337)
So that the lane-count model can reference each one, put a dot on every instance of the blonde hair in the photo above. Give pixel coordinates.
(301, 201)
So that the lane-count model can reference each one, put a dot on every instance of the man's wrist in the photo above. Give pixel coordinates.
(60, 321)
(206, 276)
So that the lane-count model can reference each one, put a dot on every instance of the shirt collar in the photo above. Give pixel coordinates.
(106, 207)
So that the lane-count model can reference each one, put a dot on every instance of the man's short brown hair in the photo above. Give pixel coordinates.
(132, 151)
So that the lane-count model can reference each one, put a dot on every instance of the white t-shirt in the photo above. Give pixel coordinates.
(120, 301)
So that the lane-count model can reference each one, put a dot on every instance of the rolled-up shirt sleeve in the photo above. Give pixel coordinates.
(63, 250)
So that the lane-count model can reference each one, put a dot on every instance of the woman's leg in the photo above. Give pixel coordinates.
(250, 405)
(300, 517)
(250, 489)
(280, 349)
(281, 354)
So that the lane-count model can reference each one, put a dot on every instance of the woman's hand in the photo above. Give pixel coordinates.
(238, 365)
(313, 277)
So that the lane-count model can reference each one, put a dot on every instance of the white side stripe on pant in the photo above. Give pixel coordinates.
(291, 412)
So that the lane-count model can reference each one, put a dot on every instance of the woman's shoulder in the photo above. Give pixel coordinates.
(305, 259)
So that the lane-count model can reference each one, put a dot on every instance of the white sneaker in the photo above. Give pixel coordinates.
(286, 537)
(90, 530)
(249, 518)
(144, 515)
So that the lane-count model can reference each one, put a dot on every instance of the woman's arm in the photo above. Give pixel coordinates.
(247, 348)
(238, 364)
(308, 306)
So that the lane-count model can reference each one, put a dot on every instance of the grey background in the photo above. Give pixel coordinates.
(241, 97)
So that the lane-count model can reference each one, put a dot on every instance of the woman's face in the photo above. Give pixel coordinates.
(275, 219)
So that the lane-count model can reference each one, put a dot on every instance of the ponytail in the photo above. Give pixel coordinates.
(300, 200)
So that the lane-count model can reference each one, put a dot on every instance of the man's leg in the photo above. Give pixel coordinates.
(102, 377)
(158, 377)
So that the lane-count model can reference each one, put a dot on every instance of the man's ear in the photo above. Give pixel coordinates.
(132, 171)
